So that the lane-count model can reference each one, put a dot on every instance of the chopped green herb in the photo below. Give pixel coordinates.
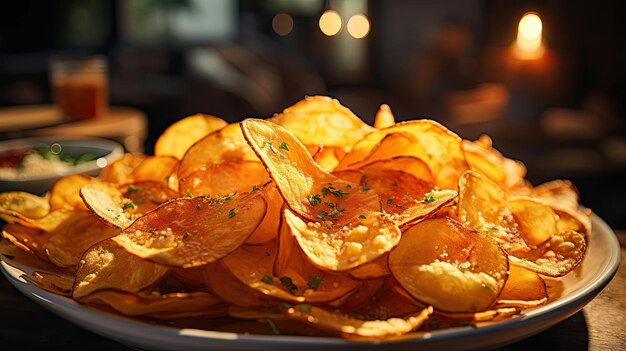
(314, 282)
(254, 187)
(283, 146)
(198, 207)
(131, 190)
(288, 283)
(314, 199)
(189, 194)
(428, 199)
(231, 213)
(390, 201)
(329, 204)
(348, 186)
(267, 279)
(305, 307)
(362, 216)
(366, 188)
(394, 183)
(322, 214)
(338, 193)
(129, 205)
(334, 213)
(185, 236)
(485, 286)
(325, 191)
(272, 328)
(286, 304)
(225, 198)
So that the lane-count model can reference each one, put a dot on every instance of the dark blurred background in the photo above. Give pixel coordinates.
(563, 113)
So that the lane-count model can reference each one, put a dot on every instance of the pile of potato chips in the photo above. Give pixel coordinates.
(310, 222)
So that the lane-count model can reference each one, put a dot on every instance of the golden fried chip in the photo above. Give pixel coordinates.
(322, 120)
(30, 240)
(375, 269)
(220, 164)
(268, 229)
(119, 205)
(327, 158)
(535, 219)
(523, 289)
(107, 265)
(348, 326)
(561, 193)
(153, 168)
(190, 232)
(178, 137)
(64, 194)
(55, 283)
(384, 117)
(253, 266)
(409, 164)
(23, 205)
(427, 140)
(119, 171)
(228, 287)
(69, 241)
(442, 263)
(556, 257)
(483, 316)
(488, 161)
(570, 219)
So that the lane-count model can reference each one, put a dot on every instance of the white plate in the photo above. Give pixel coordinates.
(579, 287)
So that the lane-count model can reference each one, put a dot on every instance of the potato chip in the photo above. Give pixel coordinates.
(64, 194)
(570, 219)
(409, 164)
(119, 205)
(347, 326)
(253, 266)
(482, 157)
(427, 140)
(225, 285)
(535, 219)
(54, 283)
(180, 136)
(375, 269)
(384, 117)
(322, 120)
(268, 229)
(483, 206)
(556, 257)
(190, 232)
(523, 289)
(257, 312)
(443, 264)
(46, 223)
(153, 168)
(220, 164)
(119, 170)
(69, 241)
(23, 205)
(359, 297)
(483, 316)
(326, 157)
(107, 265)
(30, 240)
(558, 192)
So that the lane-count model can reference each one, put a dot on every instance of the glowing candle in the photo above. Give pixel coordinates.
(528, 45)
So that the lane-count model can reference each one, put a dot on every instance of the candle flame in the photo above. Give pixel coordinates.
(529, 37)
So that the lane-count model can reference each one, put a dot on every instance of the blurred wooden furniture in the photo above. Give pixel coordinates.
(123, 124)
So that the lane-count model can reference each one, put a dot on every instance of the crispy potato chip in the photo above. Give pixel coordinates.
(556, 257)
(558, 192)
(483, 206)
(225, 285)
(190, 232)
(64, 194)
(535, 219)
(107, 265)
(268, 229)
(306, 188)
(156, 305)
(220, 164)
(46, 223)
(384, 117)
(347, 247)
(347, 326)
(326, 157)
(23, 205)
(69, 241)
(573, 220)
(253, 265)
(425, 139)
(30, 240)
(483, 316)
(54, 283)
(409, 164)
(358, 297)
(488, 161)
(257, 312)
(442, 263)
(119, 170)
(120, 205)
(523, 289)
(153, 168)
(322, 120)
(180, 136)
(375, 269)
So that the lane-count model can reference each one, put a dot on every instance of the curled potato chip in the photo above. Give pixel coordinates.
(483, 206)
(268, 229)
(257, 312)
(219, 164)
(384, 117)
(107, 265)
(64, 194)
(225, 285)
(375, 269)
(322, 120)
(425, 139)
(348, 326)
(30, 240)
(535, 219)
(409, 164)
(22, 205)
(442, 263)
(327, 157)
(180, 136)
(344, 248)
(55, 283)
(196, 303)
(523, 289)
(555, 257)
(119, 205)
(119, 170)
(306, 188)
(558, 192)
(190, 232)
(153, 168)
(481, 156)
(69, 241)
(573, 220)
(253, 266)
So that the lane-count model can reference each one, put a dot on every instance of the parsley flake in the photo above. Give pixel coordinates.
(338, 193)
(314, 282)
(267, 279)
(254, 187)
(362, 216)
(325, 191)
(225, 198)
(131, 190)
(322, 214)
(283, 146)
(272, 328)
(231, 213)
(390, 201)
(288, 283)
(305, 307)
(198, 207)
(366, 188)
(189, 194)
(394, 183)
(129, 205)
(314, 199)
(334, 213)
(428, 199)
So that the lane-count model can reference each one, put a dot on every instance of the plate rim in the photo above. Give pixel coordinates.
(120, 328)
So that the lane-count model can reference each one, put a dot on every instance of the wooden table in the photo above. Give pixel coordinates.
(599, 326)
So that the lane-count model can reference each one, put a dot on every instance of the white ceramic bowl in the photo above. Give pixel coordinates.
(105, 152)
